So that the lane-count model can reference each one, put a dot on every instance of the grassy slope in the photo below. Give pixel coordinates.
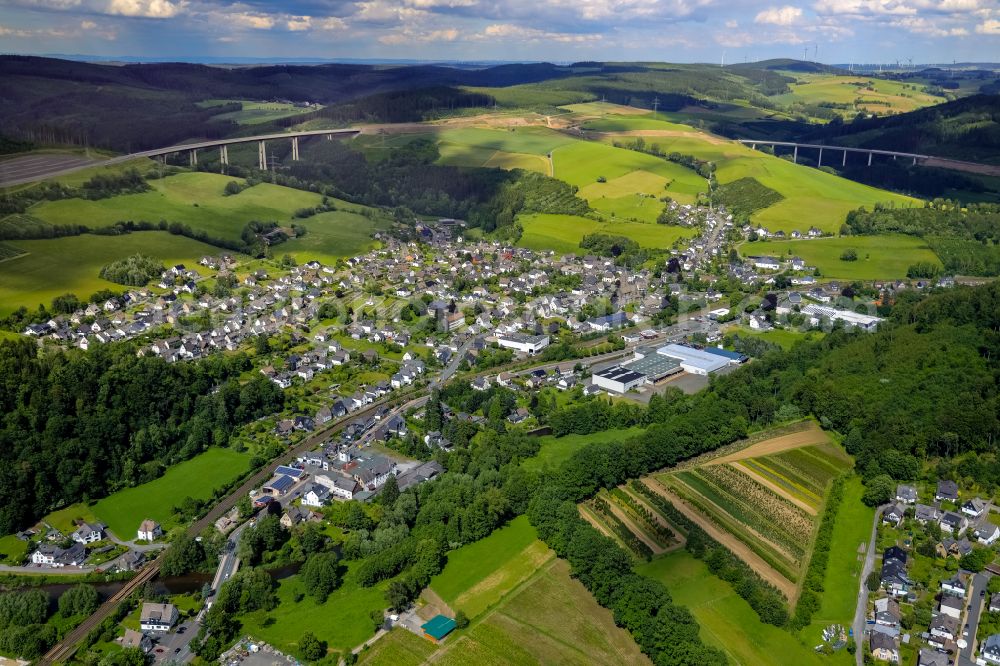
(197, 478)
(784, 337)
(563, 233)
(812, 197)
(879, 257)
(479, 574)
(195, 199)
(343, 620)
(556, 450)
(726, 620)
(56, 266)
(887, 96)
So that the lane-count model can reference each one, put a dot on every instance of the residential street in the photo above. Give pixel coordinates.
(859, 614)
(979, 583)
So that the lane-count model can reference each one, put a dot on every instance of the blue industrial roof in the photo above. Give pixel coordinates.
(725, 353)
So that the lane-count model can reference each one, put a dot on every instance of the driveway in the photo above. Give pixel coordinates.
(862, 608)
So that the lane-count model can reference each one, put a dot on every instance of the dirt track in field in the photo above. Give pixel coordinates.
(812, 435)
(635, 529)
(776, 489)
(740, 549)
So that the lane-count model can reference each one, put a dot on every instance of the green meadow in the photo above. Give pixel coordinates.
(55, 266)
(530, 140)
(626, 123)
(851, 528)
(480, 574)
(780, 336)
(563, 233)
(343, 620)
(198, 478)
(879, 257)
(884, 97)
(254, 113)
(195, 199)
(556, 450)
(727, 621)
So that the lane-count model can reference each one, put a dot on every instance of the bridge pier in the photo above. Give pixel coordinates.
(870, 158)
(193, 155)
(295, 148)
(914, 161)
(224, 155)
(819, 163)
(261, 156)
(753, 146)
(795, 155)
(844, 162)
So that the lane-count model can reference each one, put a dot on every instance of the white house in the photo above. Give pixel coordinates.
(88, 533)
(951, 606)
(149, 530)
(522, 342)
(317, 495)
(158, 617)
(990, 651)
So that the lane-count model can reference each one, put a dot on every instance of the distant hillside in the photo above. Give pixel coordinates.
(790, 65)
(966, 129)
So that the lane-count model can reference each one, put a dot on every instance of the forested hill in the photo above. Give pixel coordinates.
(77, 425)
(965, 129)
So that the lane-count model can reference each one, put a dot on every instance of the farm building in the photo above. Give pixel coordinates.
(522, 342)
(692, 360)
(438, 627)
(618, 379)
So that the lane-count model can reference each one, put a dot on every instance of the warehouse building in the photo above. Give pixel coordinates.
(654, 366)
(817, 313)
(695, 361)
(734, 358)
(522, 342)
(618, 379)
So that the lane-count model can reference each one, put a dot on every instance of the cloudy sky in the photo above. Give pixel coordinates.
(555, 30)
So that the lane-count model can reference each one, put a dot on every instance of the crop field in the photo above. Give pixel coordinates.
(583, 163)
(727, 621)
(71, 264)
(763, 502)
(563, 233)
(864, 94)
(455, 154)
(343, 621)
(255, 113)
(812, 197)
(530, 140)
(195, 199)
(480, 574)
(551, 619)
(198, 477)
(880, 257)
(399, 648)
(627, 519)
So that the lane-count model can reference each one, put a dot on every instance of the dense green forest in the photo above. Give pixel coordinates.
(966, 238)
(77, 425)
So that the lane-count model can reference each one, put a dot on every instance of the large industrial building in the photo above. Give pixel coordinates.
(522, 342)
(695, 361)
(618, 379)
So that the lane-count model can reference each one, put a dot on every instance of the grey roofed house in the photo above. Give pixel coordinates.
(994, 603)
(947, 490)
(944, 624)
(925, 513)
(905, 493)
(418, 475)
(880, 641)
(930, 657)
(990, 649)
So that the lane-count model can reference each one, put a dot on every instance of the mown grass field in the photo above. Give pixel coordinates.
(812, 197)
(55, 266)
(480, 574)
(726, 620)
(625, 123)
(399, 648)
(455, 154)
(583, 163)
(530, 140)
(552, 619)
(563, 233)
(784, 337)
(198, 477)
(556, 450)
(343, 621)
(879, 257)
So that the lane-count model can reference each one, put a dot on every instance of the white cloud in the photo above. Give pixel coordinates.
(989, 27)
(145, 8)
(786, 15)
(504, 31)
(251, 20)
(88, 25)
(409, 36)
(932, 27)
(865, 7)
